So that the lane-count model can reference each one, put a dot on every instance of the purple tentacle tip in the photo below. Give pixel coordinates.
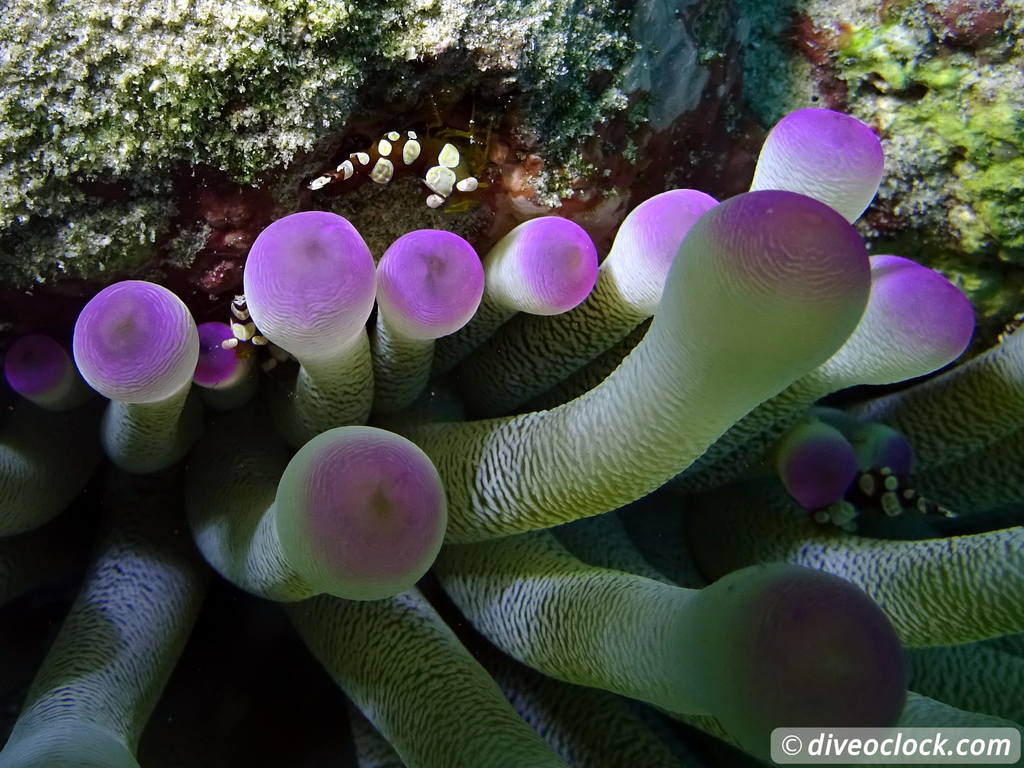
(647, 243)
(793, 242)
(429, 283)
(827, 155)
(218, 367)
(563, 269)
(656, 227)
(816, 464)
(309, 283)
(365, 509)
(36, 365)
(136, 342)
(878, 445)
(828, 136)
(935, 319)
(810, 649)
(557, 264)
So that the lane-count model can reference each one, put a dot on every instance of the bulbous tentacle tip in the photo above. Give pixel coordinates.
(429, 283)
(549, 264)
(648, 240)
(831, 132)
(816, 464)
(878, 445)
(931, 319)
(781, 278)
(136, 342)
(361, 512)
(786, 244)
(830, 156)
(36, 366)
(802, 648)
(220, 367)
(309, 283)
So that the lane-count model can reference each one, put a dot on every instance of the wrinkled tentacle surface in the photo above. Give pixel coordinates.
(936, 591)
(531, 353)
(975, 677)
(679, 388)
(961, 411)
(666, 645)
(407, 672)
(120, 641)
(45, 461)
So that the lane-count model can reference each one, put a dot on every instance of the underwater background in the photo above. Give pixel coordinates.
(825, 415)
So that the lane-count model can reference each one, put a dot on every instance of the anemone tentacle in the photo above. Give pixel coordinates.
(532, 353)
(38, 369)
(919, 711)
(960, 411)
(1008, 643)
(618, 391)
(358, 512)
(924, 712)
(680, 388)
(148, 437)
(586, 727)
(915, 322)
(602, 541)
(590, 375)
(991, 478)
(975, 677)
(830, 156)
(137, 344)
(225, 377)
(120, 641)
(429, 285)
(309, 285)
(372, 749)
(46, 459)
(875, 444)
(936, 591)
(666, 645)
(544, 266)
(815, 463)
(406, 671)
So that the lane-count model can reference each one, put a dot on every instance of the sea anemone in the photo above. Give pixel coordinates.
(682, 525)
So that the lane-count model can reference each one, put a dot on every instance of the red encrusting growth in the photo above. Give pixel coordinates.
(819, 45)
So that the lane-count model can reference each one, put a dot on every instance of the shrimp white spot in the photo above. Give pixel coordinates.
(411, 134)
(383, 147)
(243, 331)
(448, 156)
(468, 184)
(319, 182)
(347, 169)
(362, 157)
(440, 180)
(434, 201)
(382, 171)
(410, 151)
(393, 135)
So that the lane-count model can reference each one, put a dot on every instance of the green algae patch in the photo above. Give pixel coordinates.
(964, 117)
